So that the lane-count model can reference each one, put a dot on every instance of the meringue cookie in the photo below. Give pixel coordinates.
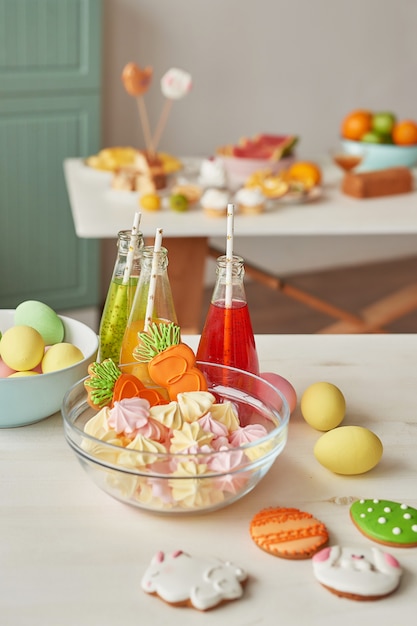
(194, 404)
(167, 414)
(226, 414)
(247, 434)
(130, 415)
(190, 438)
(149, 452)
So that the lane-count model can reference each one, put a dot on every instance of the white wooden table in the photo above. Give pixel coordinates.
(100, 212)
(70, 555)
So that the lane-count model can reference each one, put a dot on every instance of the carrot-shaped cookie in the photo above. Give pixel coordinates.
(171, 363)
(100, 384)
(108, 384)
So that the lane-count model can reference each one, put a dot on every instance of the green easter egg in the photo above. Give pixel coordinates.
(41, 317)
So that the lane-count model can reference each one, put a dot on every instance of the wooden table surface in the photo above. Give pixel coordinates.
(71, 555)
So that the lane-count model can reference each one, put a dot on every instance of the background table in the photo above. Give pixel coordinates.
(100, 212)
(72, 555)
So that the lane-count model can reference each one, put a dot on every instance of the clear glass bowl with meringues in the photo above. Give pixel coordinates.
(196, 454)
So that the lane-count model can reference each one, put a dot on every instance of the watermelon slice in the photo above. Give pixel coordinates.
(264, 146)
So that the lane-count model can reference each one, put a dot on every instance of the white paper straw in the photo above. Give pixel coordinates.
(132, 249)
(229, 255)
(154, 275)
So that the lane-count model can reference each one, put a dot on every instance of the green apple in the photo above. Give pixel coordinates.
(386, 139)
(371, 137)
(383, 122)
(178, 202)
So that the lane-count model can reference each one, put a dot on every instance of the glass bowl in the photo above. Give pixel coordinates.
(185, 483)
(378, 156)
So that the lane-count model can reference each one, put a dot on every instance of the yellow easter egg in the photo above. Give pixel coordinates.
(59, 356)
(22, 348)
(349, 450)
(323, 406)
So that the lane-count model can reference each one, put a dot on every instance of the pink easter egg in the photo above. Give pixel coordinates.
(284, 386)
(5, 370)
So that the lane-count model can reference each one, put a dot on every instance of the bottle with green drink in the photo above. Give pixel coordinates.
(120, 294)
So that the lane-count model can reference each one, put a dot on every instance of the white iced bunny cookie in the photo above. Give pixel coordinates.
(198, 582)
(357, 573)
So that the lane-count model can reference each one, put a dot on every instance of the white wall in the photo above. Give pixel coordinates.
(278, 66)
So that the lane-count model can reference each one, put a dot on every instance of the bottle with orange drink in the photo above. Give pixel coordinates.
(163, 310)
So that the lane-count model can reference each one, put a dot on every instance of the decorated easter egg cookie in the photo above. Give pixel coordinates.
(389, 523)
(288, 533)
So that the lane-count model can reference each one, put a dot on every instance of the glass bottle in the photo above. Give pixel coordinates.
(120, 295)
(163, 308)
(227, 336)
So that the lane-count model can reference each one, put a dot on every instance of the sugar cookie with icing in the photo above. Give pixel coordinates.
(357, 573)
(386, 522)
(288, 533)
(198, 582)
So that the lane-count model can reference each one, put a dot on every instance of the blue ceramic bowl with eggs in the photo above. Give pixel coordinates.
(379, 156)
(28, 399)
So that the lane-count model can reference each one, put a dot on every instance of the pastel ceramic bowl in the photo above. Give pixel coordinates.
(379, 156)
(29, 399)
(209, 480)
(238, 169)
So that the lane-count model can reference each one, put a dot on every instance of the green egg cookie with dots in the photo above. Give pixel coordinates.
(386, 522)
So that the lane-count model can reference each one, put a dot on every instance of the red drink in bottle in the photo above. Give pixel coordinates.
(227, 337)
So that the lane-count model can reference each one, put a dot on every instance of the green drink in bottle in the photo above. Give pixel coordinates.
(120, 295)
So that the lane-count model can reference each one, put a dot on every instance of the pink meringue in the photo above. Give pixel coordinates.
(130, 416)
(225, 463)
(247, 434)
(210, 425)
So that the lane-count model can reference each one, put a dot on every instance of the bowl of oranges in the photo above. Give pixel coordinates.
(380, 139)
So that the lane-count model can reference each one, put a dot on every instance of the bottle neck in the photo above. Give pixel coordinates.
(154, 280)
(153, 261)
(229, 280)
(128, 244)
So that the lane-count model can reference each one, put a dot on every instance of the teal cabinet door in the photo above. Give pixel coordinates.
(49, 110)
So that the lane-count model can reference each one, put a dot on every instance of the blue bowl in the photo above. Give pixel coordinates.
(379, 156)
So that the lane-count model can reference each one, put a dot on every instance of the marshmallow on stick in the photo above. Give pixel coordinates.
(137, 81)
(175, 84)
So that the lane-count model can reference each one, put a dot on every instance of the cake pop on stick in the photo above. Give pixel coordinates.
(175, 84)
(137, 81)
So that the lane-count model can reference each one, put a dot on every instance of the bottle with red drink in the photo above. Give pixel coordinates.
(227, 336)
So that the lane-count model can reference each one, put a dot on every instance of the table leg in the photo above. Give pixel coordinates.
(186, 268)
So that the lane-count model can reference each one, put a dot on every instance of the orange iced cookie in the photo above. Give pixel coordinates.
(288, 533)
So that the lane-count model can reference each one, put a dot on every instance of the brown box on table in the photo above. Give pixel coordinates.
(378, 183)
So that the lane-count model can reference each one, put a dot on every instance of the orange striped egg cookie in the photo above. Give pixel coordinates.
(288, 533)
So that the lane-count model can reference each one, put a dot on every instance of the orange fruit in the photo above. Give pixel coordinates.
(305, 172)
(404, 133)
(274, 187)
(356, 124)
